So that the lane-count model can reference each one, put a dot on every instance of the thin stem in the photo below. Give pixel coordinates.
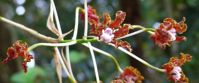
(29, 30)
(64, 66)
(139, 59)
(76, 24)
(149, 30)
(137, 26)
(56, 18)
(107, 54)
(94, 61)
(131, 34)
(80, 40)
(69, 62)
(86, 19)
(51, 44)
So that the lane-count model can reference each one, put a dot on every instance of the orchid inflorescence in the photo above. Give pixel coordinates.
(110, 32)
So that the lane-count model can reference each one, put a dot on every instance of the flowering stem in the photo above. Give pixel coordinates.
(29, 30)
(107, 54)
(63, 43)
(139, 59)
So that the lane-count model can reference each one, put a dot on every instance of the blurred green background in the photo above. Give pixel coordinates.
(34, 13)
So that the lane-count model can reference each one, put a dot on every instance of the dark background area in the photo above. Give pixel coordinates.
(139, 12)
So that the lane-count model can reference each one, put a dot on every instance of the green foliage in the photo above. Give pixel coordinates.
(34, 75)
(76, 56)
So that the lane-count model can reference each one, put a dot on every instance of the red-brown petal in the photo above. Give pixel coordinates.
(96, 30)
(175, 61)
(161, 38)
(122, 31)
(119, 18)
(24, 67)
(180, 38)
(172, 21)
(92, 15)
(184, 58)
(28, 58)
(107, 19)
(123, 44)
(11, 54)
(18, 49)
(181, 27)
(132, 72)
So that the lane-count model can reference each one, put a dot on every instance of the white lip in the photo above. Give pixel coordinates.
(107, 35)
(172, 33)
(176, 73)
